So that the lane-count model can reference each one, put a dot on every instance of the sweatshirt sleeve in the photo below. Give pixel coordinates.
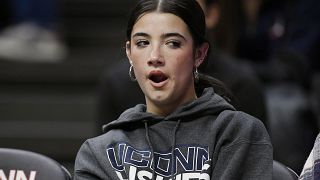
(311, 167)
(86, 165)
(246, 153)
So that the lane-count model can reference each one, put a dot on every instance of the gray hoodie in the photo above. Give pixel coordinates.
(204, 139)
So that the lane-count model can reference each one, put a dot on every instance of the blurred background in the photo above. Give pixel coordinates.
(49, 79)
(57, 58)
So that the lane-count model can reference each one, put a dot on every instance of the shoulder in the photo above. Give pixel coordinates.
(240, 125)
(94, 145)
(93, 149)
(104, 139)
(241, 118)
(91, 161)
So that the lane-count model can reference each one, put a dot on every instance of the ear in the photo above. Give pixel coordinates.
(212, 15)
(128, 51)
(201, 53)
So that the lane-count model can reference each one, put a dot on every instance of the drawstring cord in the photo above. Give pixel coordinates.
(151, 149)
(172, 150)
(173, 147)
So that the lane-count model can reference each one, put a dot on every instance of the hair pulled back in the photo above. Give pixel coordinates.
(192, 14)
(188, 10)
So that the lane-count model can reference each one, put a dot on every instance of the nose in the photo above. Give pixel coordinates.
(156, 58)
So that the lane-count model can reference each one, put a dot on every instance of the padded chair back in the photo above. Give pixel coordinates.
(282, 172)
(25, 165)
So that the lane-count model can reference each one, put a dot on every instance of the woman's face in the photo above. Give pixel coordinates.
(163, 57)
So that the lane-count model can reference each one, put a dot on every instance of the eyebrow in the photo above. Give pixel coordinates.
(140, 34)
(165, 35)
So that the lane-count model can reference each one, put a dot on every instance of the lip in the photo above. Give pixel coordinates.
(157, 73)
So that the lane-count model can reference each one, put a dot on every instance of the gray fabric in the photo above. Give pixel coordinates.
(311, 169)
(212, 141)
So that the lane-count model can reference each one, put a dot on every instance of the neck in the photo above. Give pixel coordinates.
(164, 109)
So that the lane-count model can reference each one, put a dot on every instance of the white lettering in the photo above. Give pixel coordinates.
(120, 176)
(12, 174)
(32, 175)
(146, 175)
(21, 175)
(188, 176)
(159, 178)
(178, 177)
(2, 175)
(142, 175)
(204, 176)
(132, 173)
(17, 175)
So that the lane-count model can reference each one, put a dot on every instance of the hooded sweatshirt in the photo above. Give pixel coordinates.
(204, 139)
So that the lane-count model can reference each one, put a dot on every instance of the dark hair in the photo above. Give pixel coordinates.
(192, 14)
(209, 2)
(188, 10)
(218, 86)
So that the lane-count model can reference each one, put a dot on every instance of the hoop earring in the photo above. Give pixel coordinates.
(196, 75)
(131, 74)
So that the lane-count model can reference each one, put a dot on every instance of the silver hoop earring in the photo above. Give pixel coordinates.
(196, 75)
(131, 74)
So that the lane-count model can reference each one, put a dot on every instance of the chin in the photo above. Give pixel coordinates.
(159, 98)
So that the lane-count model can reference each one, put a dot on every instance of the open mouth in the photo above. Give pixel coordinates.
(157, 76)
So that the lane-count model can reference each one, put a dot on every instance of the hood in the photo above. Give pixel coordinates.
(208, 103)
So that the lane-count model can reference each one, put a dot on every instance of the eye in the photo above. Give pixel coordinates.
(174, 44)
(142, 43)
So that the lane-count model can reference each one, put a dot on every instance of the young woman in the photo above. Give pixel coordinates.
(177, 134)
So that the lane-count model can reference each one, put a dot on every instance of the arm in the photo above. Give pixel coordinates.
(244, 161)
(310, 167)
(244, 151)
(86, 165)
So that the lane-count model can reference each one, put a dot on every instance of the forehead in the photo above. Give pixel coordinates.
(156, 22)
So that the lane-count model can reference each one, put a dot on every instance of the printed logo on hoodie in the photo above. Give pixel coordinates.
(186, 162)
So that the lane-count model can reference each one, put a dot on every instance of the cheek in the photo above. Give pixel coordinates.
(183, 66)
(138, 61)
(185, 59)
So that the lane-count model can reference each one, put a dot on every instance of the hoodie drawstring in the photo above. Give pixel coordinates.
(172, 150)
(151, 149)
(173, 147)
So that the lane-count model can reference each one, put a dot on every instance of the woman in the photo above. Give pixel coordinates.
(176, 135)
